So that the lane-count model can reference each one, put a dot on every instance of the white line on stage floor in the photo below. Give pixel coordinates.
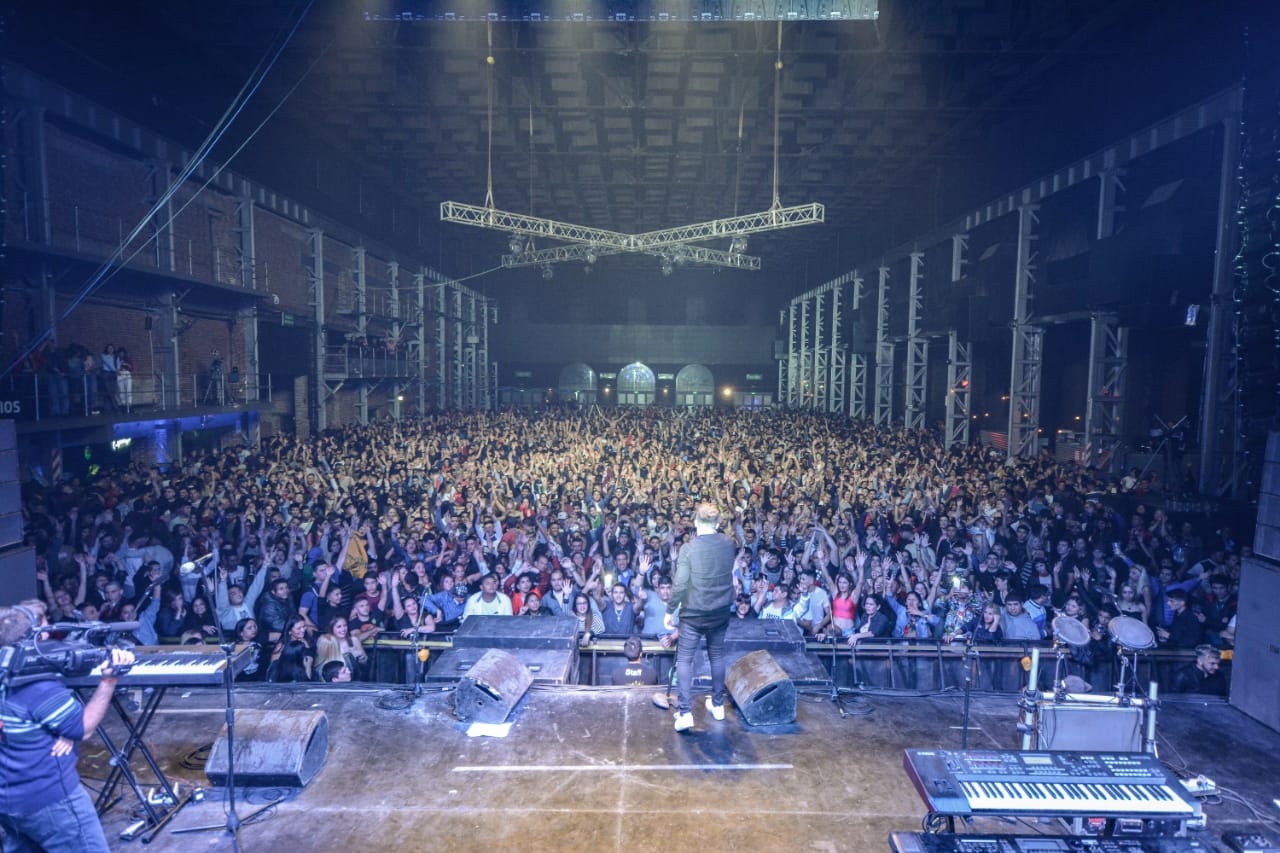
(611, 768)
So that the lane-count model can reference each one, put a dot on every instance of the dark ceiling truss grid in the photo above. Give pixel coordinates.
(636, 125)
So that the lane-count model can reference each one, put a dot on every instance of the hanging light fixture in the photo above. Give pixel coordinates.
(667, 241)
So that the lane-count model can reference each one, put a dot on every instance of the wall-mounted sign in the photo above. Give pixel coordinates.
(608, 376)
(524, 374)
(667, 376)
(755, 377)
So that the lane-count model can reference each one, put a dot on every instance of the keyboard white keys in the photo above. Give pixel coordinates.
(1038, 797)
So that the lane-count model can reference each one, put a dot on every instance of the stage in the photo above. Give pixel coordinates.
(601, 769)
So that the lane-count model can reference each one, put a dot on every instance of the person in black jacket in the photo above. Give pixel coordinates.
(702, 593)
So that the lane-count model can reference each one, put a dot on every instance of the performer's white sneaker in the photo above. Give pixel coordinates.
(684, 722)
(717, 711)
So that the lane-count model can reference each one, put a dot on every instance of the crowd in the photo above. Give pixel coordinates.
(76, 381)
(311, 550)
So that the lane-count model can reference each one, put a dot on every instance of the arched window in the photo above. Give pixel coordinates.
(695, 386)
(635, 385)
(577, 383)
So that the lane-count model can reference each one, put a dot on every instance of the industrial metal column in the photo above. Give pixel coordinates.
(917, 348)
(818, 370)
(315, 288)
(362, 327)
(420, 282)
(837, 378)
(1028, 345)
(1108, 364)
(884, 354)
(959, 382)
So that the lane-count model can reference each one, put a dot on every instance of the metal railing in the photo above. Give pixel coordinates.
(368, 362)
(43, 397)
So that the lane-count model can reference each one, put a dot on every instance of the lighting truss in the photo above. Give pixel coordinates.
(679, 254)
(670, 243)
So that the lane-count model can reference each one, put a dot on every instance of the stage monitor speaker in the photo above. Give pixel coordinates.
(17, 574)
(1072, 727)
(273, 749)
(765, 696)
(1266, 538)
(491, 688)
(1255, 659)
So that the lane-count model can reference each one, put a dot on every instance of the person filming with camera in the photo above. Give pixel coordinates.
(42, 803)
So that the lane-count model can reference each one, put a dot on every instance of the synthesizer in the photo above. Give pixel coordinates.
(173, 666)
(1058, 784)
(921, 842)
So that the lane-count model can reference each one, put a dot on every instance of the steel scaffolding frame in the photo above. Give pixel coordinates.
(959, 255)
(459, 368)
(442, 344)
(818, 368)
(793, 357)
(315, 290)
(805, 357)
(471, 340)
(1028, 344)
(884, 354)
(420, 283)
(1110, 186)
(858, 384)
(393, 282)
(358, 258)
(1108, 365)
(959, 390)
(917, 376)
(837, 378)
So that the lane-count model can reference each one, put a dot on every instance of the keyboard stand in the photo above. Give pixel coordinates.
(122, 755)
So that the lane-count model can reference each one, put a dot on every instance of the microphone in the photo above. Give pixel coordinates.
(192, 565)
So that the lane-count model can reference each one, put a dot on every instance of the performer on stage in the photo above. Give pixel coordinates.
(42, 804)
(702, 593)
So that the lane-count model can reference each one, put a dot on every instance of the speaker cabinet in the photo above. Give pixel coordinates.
(1255, 662)
(761, 689)
(491, 688)
(1092, 727)
(273, 749)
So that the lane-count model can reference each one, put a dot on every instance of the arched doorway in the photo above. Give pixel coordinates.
(636, 385)
(577, 384)
(695, 386)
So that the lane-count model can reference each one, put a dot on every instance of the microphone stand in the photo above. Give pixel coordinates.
(416, 664)
(970, 655)
(835, 690)
(233, 821)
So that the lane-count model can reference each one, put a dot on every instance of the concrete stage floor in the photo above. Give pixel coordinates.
(586, 769)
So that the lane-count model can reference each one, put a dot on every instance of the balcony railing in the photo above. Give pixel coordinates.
(368, 362)
(25, 397)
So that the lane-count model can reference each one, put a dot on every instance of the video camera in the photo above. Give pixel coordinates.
(83, 647)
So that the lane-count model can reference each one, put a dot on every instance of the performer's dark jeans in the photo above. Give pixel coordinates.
(68, 824)
(686, 648)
